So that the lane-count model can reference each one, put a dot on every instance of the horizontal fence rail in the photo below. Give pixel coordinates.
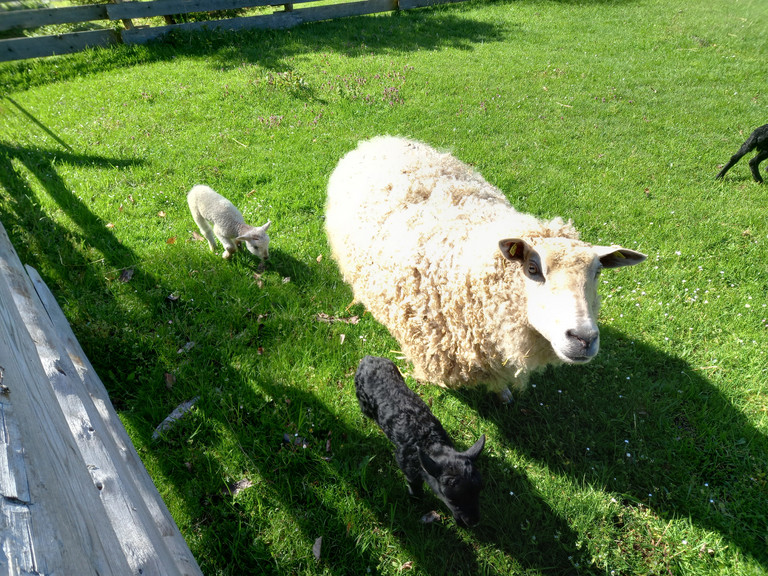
(287, 16)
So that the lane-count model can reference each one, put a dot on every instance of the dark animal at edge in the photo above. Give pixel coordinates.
(423, 449)
(758, 140)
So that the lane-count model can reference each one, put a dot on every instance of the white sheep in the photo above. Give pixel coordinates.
(474, 291)
(209, 207)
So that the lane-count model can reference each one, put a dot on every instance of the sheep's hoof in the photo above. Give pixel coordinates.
(505, 396)
(226, 254)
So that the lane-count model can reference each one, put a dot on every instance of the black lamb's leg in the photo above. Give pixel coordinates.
(747, 147)
(735, 158)
(754, 164)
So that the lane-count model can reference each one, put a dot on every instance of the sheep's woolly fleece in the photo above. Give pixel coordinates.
(416, 234)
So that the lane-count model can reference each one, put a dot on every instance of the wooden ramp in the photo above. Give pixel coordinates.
(76, 499)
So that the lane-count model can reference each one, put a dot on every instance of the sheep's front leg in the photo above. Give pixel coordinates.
(505, 396)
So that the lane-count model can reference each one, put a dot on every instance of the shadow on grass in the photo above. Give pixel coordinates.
(396, 32)
(41, 242)
(647, 426)
(78, 261)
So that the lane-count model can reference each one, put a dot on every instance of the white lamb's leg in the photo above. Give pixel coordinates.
(206, 230)
(230, 247)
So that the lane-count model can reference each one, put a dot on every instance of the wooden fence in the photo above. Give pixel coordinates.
(286, 16)
(75, 498)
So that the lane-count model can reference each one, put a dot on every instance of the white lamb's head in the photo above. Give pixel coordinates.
(561, 277)
(257, 240)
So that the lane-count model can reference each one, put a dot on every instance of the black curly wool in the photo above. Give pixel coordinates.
(423, 449)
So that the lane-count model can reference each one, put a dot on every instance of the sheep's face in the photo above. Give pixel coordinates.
(561, 278)
(257, 241)
(455, 480)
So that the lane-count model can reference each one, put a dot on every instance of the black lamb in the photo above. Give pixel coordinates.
(423, 449)
(758, 140)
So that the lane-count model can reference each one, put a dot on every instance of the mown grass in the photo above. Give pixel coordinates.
(650, 460)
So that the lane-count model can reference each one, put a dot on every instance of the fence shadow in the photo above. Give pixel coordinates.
(394, 32)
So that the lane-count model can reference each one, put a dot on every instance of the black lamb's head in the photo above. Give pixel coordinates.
(455, 480)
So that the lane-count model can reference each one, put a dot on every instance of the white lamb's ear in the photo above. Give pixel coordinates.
(513, 249)
(266, 226)
(616, 256)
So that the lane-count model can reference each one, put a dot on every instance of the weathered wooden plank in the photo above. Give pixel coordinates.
(22, 48)
(133, 470)
(46, 16)
(135, 9)
(277, 20)
(13, 481)
(140, 535)
(62, 527)
(409, 4)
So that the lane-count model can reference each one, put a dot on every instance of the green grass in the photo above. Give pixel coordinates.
(652, 459)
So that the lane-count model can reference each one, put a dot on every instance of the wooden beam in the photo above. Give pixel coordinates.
(56, 522)
(276, 20)
(131, 469)
(122, 525)
(36, 47)
(46, 16)
(135, 9)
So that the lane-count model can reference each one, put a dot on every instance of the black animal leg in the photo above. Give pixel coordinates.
(754, 165)
(735, 158)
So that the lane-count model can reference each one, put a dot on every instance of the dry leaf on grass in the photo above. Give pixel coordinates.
(126, 275)
(197, 237)
(316, 547)
(235, 488)
(161, 214)
(429, 517)
(171, 240)
(186, 348)
(170, 380)
(171, 419)
(328, 319)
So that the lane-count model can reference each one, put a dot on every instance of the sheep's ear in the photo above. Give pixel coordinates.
(513, 249)
(477, 447)
(616, 256)
(266, 226)
(430, 466)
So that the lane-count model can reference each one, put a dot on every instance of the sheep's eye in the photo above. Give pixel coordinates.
(533, 269)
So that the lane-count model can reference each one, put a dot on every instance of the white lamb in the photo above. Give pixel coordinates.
(209, 207)
(474, 291)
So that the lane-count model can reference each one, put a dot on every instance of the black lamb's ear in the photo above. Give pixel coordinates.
(430, 466)
(476, 448)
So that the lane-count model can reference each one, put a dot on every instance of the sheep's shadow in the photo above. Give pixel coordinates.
(648, 426)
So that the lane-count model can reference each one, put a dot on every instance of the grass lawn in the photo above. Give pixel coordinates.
(652, 459)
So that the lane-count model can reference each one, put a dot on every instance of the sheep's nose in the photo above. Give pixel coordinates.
(585, 339)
